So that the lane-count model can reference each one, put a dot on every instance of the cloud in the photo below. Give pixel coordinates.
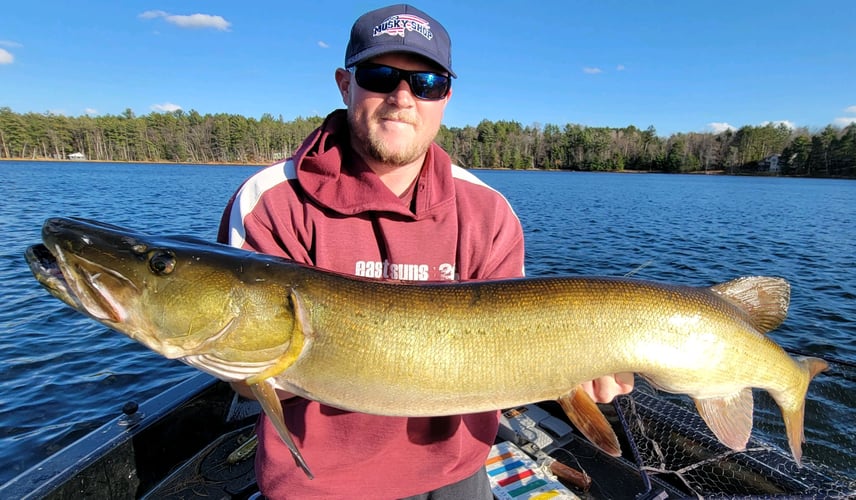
(6, 57)
(10, 43)
(844, 121)
(166, 107)
(787, 123)
(620, 67)
(200, 21)
(323, 44)
(192, 21)
(719, 127)
(592, 71)
(152, 14)
(90, 111)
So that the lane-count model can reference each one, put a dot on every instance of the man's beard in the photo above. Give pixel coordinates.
(379, 150)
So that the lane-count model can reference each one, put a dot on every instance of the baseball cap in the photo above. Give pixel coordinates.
(399, 28)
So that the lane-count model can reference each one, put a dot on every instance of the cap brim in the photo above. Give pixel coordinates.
(386, 49)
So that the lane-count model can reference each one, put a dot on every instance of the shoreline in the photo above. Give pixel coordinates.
(264, 164)
(272, 162)
(144, 162)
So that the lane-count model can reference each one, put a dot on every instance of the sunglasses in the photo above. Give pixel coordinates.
(425, 85)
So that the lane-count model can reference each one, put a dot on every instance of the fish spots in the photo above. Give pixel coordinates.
(475, 297)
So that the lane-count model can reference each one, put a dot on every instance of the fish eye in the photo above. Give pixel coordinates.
(161, 262)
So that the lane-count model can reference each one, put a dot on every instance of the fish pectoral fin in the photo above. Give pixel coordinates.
(265, 393)
(299, 332)
(589, 420)
(729, 417)
(765, 299)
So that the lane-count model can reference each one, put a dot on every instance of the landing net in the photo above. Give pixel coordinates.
(673, 444)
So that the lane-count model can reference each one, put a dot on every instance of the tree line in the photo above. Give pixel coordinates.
(190, 137)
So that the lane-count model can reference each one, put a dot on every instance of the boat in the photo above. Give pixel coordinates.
(134, 454)
(183, 443)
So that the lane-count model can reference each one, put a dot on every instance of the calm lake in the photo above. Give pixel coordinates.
(62, 375)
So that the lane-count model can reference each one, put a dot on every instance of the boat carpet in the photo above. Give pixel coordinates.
(210, 475)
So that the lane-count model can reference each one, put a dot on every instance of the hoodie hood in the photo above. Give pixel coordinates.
(333, 176)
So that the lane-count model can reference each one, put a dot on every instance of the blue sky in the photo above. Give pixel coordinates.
(681, 66)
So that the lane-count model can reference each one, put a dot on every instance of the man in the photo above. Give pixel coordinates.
(369, 193)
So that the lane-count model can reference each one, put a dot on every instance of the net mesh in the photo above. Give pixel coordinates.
(671, 442)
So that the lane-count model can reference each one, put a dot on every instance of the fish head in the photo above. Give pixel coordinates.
(181, 297)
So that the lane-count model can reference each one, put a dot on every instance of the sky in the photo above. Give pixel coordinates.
(679, 66)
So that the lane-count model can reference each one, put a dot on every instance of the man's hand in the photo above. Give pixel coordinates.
(605, 388)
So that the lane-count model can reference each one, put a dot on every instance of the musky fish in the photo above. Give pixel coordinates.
(429, 349)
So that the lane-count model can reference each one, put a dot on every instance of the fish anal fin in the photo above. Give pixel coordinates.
(765, 299)
(265, 393)
(588, 419)
(301, 329)
(729, 417)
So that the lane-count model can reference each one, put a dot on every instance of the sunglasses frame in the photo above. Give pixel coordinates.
(397, 75)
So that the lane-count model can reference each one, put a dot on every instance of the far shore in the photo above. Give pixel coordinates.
(264, 164)
(54, 160)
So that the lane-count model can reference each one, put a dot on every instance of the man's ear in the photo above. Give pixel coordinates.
(343, 82)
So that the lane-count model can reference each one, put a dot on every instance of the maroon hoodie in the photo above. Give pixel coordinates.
(326, 208)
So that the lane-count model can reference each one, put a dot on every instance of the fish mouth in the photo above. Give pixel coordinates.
(79, 282)
(44, 267)
(92, 284)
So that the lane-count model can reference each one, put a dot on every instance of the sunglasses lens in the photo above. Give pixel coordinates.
(381, 79)
(429, 85)
(384, 79)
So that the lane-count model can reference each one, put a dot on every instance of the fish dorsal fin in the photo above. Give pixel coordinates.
(588, 419)
(729, 417)
(765, 299)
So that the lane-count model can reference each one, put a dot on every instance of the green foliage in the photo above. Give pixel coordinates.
(576, 147)
(224, 138)
(157, 137)
(795, 156)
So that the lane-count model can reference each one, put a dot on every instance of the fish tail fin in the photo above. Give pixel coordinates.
(729, 417)
(265, 392)
(588, 419)
(794, 413)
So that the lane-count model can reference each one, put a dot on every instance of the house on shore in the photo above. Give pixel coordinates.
(770, 164)
(77, 156)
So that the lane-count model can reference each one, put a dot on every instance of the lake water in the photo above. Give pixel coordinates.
(62, 375)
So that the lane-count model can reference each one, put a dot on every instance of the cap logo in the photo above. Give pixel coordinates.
(397, 25)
